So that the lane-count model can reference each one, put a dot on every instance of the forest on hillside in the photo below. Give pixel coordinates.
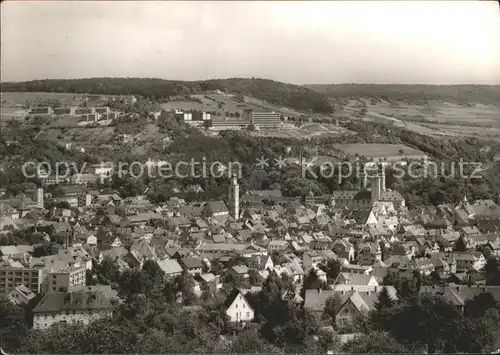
(485, 94)
(274, 92)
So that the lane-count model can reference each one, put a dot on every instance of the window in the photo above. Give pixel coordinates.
(346, 311)
(248, 314)
(236, 305)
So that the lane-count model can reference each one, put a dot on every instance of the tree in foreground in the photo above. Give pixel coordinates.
(460, 246)
(332, 306)
(374, 343)
(385, 300)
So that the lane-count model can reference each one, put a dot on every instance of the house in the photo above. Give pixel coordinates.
(354, 268)
(293, 296)
(492, 249)
(355, 301)
(345, 278)
(170, 267)
(470, 261)
(408, 249)
(444, 244)
(344, 249)
(354, 307)
(141, 219)
(81, 307)
(20, 295)
(194, 266)
(240, 271)
(312, 258)
(291, 269)
(442, 266)
(459, 294)
(237, 307)
(139, 253)
(209, 282)
(369, 253)
(424, 265)
(277, 246)
(216, 209)
(470, 232)
(265, 262)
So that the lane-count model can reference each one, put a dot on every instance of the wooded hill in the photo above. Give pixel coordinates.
(485, 94)
(274, 92)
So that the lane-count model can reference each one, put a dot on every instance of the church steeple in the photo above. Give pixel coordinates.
(234, 198)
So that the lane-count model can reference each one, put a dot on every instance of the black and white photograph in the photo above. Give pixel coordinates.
(249, 177)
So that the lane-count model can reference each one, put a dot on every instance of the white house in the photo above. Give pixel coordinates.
(345, 278)
(237, 307)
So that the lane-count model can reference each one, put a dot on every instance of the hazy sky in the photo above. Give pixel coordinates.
(298, 42)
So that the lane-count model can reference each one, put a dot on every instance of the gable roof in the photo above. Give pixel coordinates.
(62, 301)
(192, 263)
(216, 206)
(315, 300)
(240, 269)
(170, 266)
(355, 279)
(232, 297)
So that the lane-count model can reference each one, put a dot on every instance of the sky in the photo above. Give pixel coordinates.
(326, 42)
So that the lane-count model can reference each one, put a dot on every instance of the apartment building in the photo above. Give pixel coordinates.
(82, 307)
(41, 110)
(13, 274)
(65, 111)
(67, 279)
(262, 119)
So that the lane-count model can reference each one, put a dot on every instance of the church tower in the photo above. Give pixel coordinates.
(39, 197)
(376, 183)
(234, 198)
